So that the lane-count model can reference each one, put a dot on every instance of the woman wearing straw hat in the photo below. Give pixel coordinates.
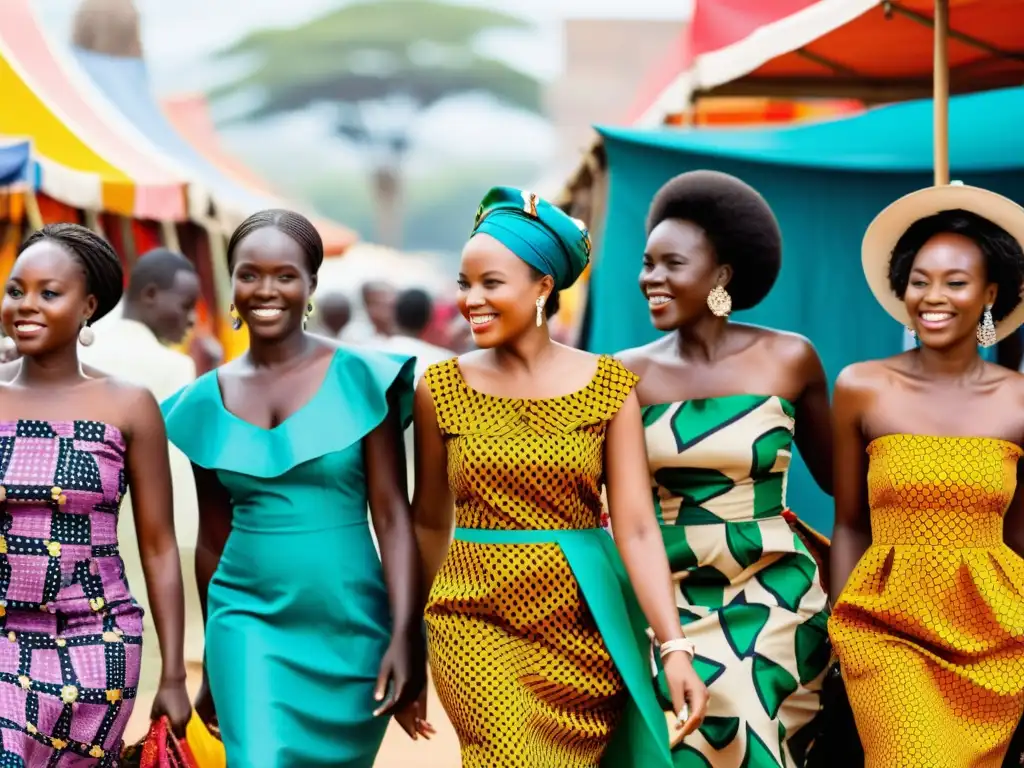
(929, 620)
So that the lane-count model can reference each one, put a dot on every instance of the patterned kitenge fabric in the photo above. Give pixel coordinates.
(517, 657)
(747, 589)
(70, 661)
(930, 626)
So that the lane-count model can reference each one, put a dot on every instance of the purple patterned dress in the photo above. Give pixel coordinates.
(71, 640)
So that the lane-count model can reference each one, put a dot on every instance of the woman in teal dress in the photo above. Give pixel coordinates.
(310, 642)
(723, 403)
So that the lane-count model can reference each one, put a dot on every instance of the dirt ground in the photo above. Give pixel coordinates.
(398, 751)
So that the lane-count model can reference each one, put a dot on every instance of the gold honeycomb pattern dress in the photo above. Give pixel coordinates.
(534, 642)
(930, 627)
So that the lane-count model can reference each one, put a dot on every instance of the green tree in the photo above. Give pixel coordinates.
(382, 64)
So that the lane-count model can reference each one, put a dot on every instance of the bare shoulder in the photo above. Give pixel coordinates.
(638, 359)
(788, 348)
(123, 394)
(1010, 382)
(864, 378)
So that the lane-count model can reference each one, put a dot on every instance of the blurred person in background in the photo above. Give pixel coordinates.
(312, 641)
(74, 445)
(413, 312)
(158, 310)
(331, 314)
(379, 300)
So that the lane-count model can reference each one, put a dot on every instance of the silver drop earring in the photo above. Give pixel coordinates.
(987, 328)
(541, 300)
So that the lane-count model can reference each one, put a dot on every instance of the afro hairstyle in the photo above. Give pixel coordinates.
(737, 221)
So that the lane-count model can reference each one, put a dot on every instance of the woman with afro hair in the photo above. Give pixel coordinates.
(927, 575)
(723, 403)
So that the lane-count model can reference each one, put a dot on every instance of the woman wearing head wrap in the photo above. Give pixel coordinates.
(533, 641)
(722, 405)
(72, 443)
(927, 575)
(312, 641)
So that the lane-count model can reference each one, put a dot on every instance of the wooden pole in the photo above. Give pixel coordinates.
(940, 95)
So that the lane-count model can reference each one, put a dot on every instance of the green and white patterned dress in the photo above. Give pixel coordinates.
(747, 588)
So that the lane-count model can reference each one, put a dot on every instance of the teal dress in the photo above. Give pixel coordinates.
(298, 615)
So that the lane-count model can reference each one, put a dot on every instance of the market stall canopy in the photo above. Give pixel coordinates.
(892, 139)
(15, 163)
(191, 119)
(824, 200)
(832, 48)
(125, 83)
(89, 157)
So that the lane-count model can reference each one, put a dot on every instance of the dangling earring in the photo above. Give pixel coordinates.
(719, 302)
(236, 319)
(309, 311)
(987, 328)
(8, 346)
(541, 300)
(86, 336)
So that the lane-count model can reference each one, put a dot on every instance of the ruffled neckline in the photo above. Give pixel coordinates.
(350, 403)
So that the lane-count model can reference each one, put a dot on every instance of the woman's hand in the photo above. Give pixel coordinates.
(172, 702)
(403, 673)
(204, 705)
(687, 689)
(413, 718)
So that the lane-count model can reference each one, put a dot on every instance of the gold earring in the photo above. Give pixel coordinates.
(541, 300)
(719, 302)
(236, 319)
(309, 311)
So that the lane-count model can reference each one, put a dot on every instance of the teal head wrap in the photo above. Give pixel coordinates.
(543, 236)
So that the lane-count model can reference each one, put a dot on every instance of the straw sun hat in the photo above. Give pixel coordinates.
(889, 226)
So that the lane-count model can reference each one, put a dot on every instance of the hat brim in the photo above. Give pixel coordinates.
(890, 225)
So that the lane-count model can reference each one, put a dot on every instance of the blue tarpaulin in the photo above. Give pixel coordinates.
(825, 182)
(15, 162)
(125, 82)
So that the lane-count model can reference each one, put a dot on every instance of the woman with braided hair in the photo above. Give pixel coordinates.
(312, 641)
(72, 443)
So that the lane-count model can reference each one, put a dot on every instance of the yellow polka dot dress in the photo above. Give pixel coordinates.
(930, 627)
(519, 657)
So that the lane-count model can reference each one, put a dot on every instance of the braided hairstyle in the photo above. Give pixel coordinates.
(294, 225)
(1004, 257)
(104, 275)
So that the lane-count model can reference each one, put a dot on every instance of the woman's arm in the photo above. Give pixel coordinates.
(387, 490)
(432, 505)
(852, 533)
(814, 418)
(638, 538)
(149, 480)
(215, 515)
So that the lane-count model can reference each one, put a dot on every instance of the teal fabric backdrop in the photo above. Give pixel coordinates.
(824, 198)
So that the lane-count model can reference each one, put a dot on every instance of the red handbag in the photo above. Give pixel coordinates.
(160, 749)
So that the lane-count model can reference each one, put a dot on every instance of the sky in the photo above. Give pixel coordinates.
(179, 37)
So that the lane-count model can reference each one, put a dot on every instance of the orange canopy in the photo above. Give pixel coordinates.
(864, 49)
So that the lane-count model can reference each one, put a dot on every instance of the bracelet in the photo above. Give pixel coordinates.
(679, 644)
